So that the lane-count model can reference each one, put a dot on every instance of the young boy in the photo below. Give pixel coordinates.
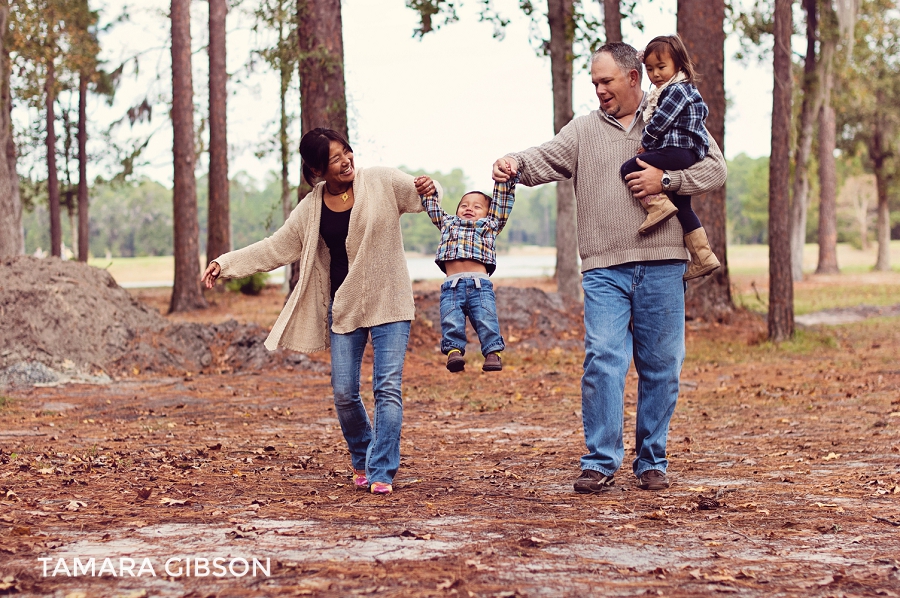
(466, 255)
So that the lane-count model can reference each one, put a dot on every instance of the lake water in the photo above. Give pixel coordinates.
(516, 265)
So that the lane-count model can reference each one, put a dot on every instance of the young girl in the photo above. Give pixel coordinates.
(674, 139)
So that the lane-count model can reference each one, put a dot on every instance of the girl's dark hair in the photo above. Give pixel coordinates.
(674, 47)
(315, 147)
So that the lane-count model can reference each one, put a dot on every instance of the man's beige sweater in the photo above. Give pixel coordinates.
(377, 289)
(590, 150)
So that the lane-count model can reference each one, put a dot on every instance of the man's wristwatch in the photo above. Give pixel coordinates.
(666, 180)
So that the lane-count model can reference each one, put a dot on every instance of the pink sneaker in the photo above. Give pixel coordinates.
(360, 480)
(381, 488)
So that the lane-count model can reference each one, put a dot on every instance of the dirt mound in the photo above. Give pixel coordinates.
(75, 319)
(60, 313)
(529, 318)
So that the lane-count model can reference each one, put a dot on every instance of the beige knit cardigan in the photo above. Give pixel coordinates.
(377, 289)
(590, 150)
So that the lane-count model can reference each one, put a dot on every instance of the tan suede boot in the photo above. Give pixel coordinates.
(659, 209)
(703, 260)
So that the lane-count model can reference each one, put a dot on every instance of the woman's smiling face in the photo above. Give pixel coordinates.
(340, 171)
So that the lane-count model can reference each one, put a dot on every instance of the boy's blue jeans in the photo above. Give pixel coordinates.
(374, 447)
(631, 311)
(469, 295)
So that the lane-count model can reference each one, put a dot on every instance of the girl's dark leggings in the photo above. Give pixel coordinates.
(670, 158)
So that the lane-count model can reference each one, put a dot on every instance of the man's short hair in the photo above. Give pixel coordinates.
(625, 57)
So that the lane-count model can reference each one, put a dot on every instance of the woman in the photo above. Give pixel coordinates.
(353, 283)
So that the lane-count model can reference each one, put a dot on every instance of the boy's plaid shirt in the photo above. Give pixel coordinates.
(678, 121)
(471, 239)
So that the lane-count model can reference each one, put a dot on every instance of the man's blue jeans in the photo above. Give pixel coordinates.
(631, 310)
(373, 447)
(473, 297)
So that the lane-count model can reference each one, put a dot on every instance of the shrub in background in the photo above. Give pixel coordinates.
(250, 285)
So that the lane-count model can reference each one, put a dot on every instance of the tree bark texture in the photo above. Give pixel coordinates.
(812, 100)
(880, 153)
(562, 29)
(612, 20)
(286, 204)
(84, 235)
(12, 238)
(218, 238)
(52, 180)
(827, 193)
(186, 293)
(827, 166)
(701, 26)
(323, 100)
(883, 227)
(781, 283)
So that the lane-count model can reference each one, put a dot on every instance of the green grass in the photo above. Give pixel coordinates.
(817, 298)
(754, 259)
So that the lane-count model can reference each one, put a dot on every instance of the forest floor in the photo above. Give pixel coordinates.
(785, 463)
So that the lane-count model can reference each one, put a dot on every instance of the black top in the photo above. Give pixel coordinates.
(333, 227)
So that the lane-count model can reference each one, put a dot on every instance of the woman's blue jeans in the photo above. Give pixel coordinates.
(375, 446)
(633, 310)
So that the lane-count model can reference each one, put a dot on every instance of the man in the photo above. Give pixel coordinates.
(633, 288)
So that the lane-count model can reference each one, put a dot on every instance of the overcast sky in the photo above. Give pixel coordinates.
(457, 99)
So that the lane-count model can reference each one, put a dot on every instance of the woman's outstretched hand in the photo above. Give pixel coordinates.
(212, 273)
(424, 185)
(504, 168)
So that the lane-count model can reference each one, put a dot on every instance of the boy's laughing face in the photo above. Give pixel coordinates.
(472, 206)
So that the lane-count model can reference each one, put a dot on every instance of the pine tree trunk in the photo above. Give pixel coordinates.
(812, 100)
(701, 26)
(559, 16)
(286, 205)
(883, 227)
(12, 239)
(218, 239)
(877, 154)
(827, 192)
(827, 167)
(84, 237)
(323, 100)
(612, 20)
(781, 284)
(186, 293)
(52, 180)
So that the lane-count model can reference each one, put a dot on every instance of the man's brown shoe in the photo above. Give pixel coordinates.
(455, 361)
(492, 363)
(592, 482)
(653, 479)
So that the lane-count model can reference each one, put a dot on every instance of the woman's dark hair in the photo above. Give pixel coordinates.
(315, 147)
(674, 47)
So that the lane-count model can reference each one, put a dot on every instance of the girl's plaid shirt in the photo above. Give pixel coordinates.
(678, 121)
(471, 239)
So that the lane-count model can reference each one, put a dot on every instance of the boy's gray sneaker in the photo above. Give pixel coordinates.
(492, 363)
(653, 479)
(593, 482)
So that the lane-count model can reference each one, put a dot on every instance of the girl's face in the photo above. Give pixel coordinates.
(340, 170)
(660, 67)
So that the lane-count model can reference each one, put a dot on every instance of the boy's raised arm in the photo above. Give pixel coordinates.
(432, 205)
(502, 203)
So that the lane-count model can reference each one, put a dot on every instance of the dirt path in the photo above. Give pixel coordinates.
(785, 462)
